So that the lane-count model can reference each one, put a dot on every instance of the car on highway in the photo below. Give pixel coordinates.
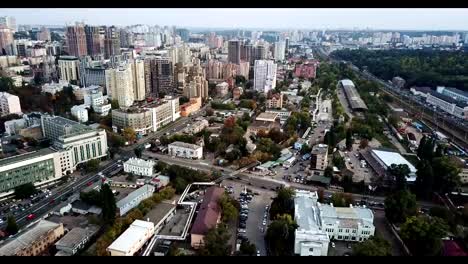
(31, 216)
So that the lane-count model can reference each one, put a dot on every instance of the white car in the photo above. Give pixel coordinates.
(264, 222)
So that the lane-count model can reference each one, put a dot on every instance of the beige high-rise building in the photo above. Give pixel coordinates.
(6, 41)
(68, 68)
(139, 84)
(119, 85)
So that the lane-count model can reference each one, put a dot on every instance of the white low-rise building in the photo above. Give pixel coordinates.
(134, 198)
(185, 150)
(132, 239)
(320, 223)
(310, 239)
(139, 167)
(387, 158)
(80, 112)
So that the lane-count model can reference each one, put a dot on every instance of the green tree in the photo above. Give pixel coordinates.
(400, 172)
(342, 199)
(228, 207)
(375, 246)
(109, 206)
(328, 172)
(215, 242)
(129, 134)
(92, 165)
(280, 236)
(349, 139)
(446, 174)
(115, 104)
(92, 197)
(400, 205)
(11, 228)
(247, 248)
(138, 152)
(305, 149)
(283, 203)
(25, 190)
(423, 235)
(338, 162)
(424, 179)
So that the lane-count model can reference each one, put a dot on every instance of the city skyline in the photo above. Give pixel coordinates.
(265, 18)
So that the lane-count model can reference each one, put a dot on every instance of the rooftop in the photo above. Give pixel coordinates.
(25, 156)
(140, 162)
(184, 145)
(131, 236)
(26, 239)
(352, 95)
(76, 236)
(457, 91)
(319, 149)
(448, 99)
(267, 116)
(143, 189)
(209, 211)
(389, 158)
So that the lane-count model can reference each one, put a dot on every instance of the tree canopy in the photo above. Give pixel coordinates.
(283, 203)
(216, 242)
(423, 235)
(400, 205)
(280, 236)
(375, 246)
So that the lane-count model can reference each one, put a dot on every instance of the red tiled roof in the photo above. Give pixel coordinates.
(451, 248)
(209, 211)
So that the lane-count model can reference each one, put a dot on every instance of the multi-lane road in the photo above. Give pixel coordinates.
(265, 182)
(44, 206)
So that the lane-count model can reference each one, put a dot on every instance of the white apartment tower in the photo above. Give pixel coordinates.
(68, 67)
(264, 75)
(280, 50)
(119, 85)
(9, 104)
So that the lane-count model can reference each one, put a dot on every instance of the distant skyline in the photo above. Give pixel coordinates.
(265, 18)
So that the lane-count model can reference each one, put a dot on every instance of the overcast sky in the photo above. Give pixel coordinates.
(411, 19)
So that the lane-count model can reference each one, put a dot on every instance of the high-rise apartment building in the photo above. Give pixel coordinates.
(69, 68)
(76, 40)
(126, 39)
(119, 85)
(264, 75)
(6, 41)
(159, 75)
(9, 104)
(259, 52)
(280, 50)
(9, 22)
(246, 52)
(234, 51)
(111, 42)
(139, 82)
(93, 42)
(44, 34)
(183, 33)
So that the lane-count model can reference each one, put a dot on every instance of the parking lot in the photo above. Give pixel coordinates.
(254, 225)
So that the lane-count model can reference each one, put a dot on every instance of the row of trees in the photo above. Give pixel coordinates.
(417, 67)
(180, 177)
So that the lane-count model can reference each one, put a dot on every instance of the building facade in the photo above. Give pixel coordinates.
(80, 112)
(134, 198)
(264, 76)
(185, 150)
(133, 239)
(159, 76)
(93, 43)
(140, 120)
(35, 241)
(36, 167)
(69, 68)
(9, 104)
(139, 167)
(319, 157)
(76, 40)
(120, 85)
(234, 51)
